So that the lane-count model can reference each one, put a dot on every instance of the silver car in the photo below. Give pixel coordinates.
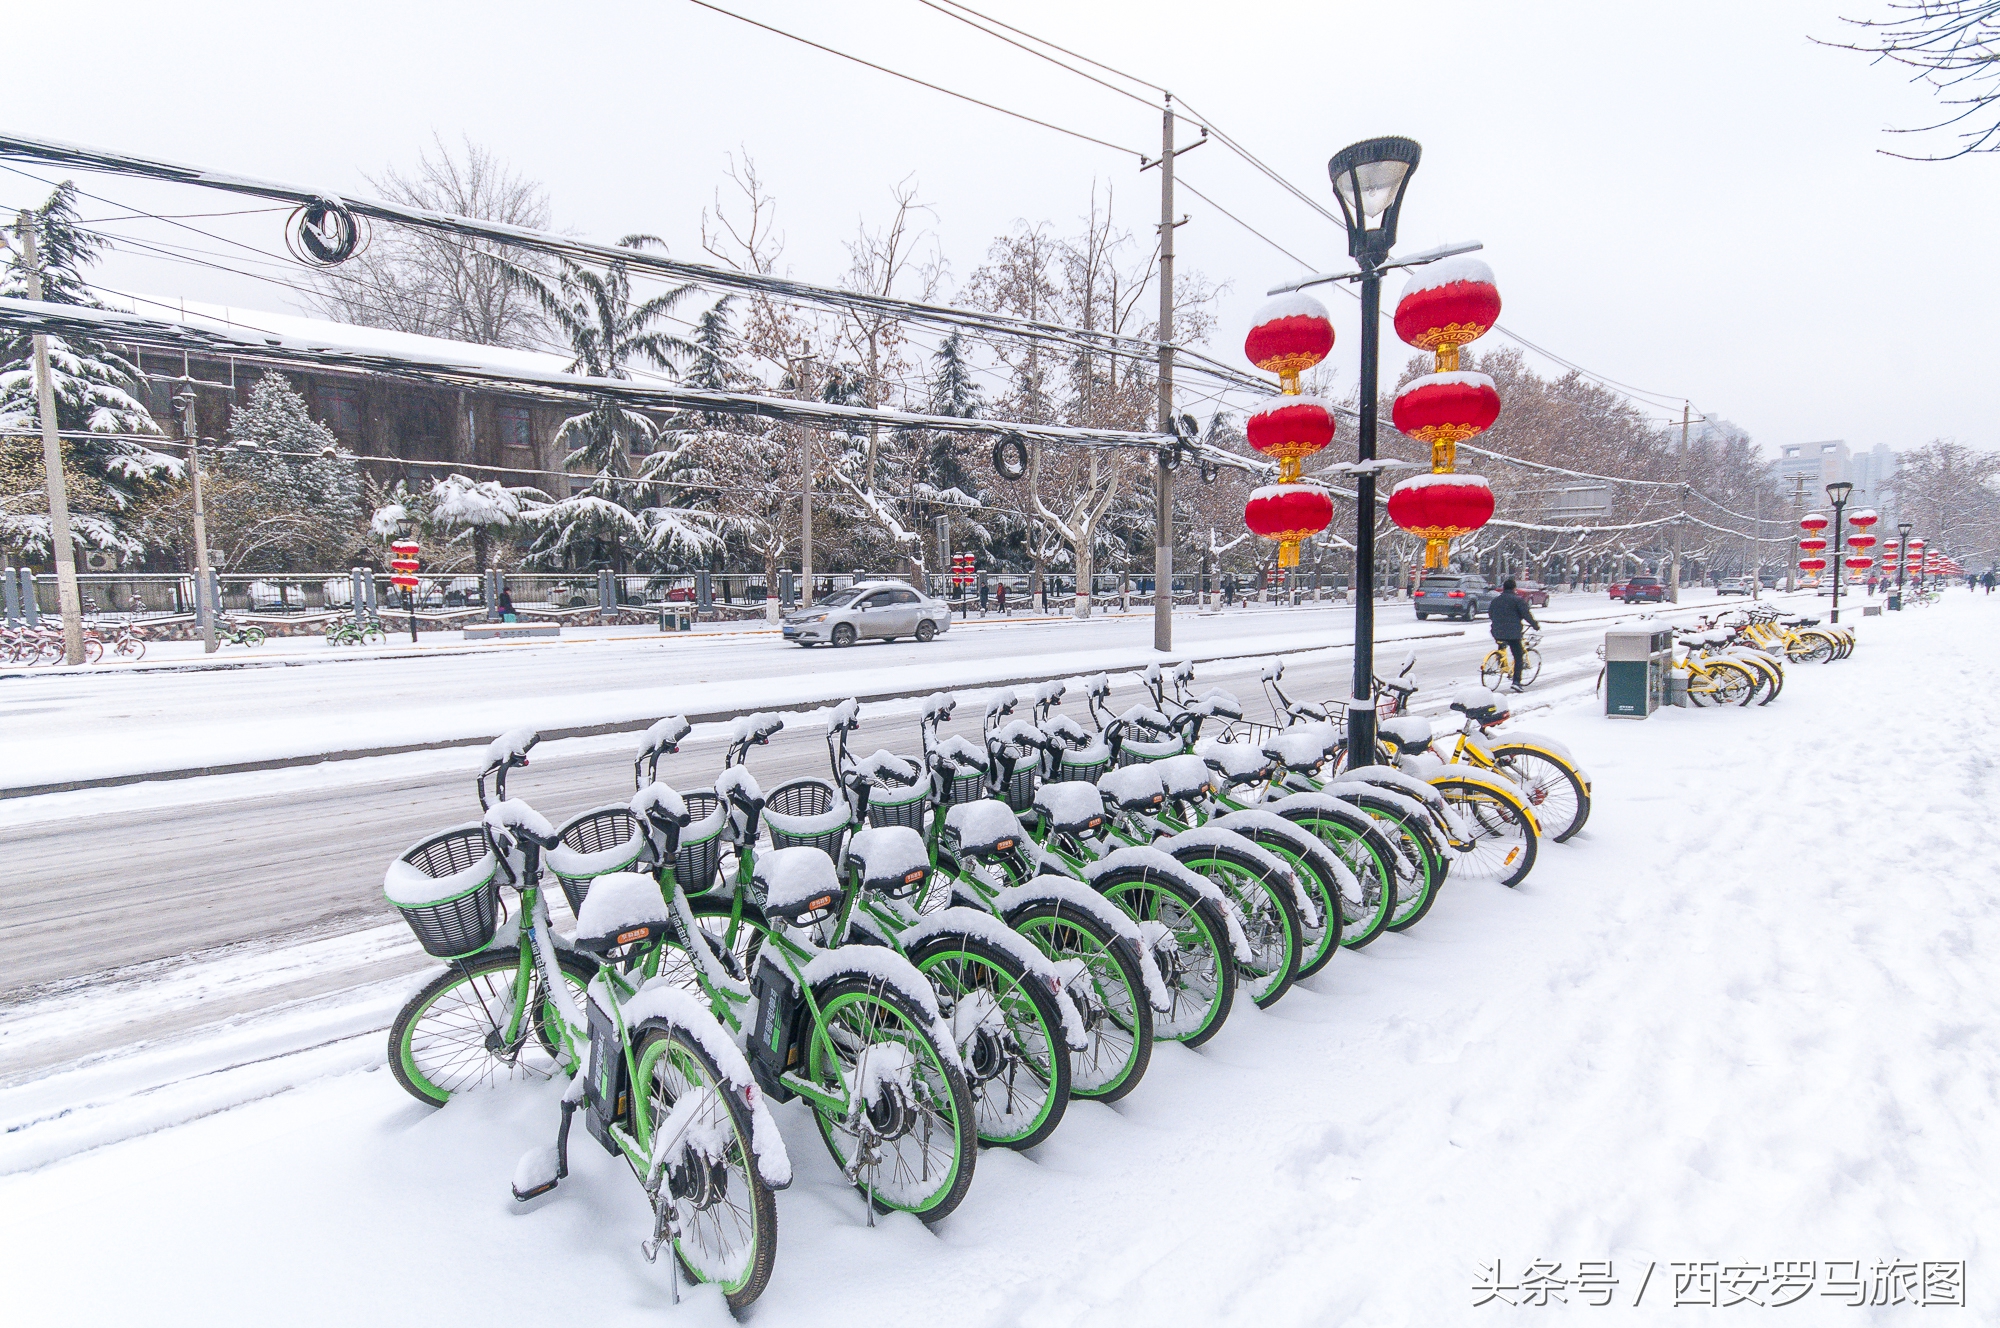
(883, 610)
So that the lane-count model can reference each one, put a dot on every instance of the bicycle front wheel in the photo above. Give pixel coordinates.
(726, 1215)
(1504, 839)
(1493, 668)
(1118, 1023)
(1270, 920)
(467, 1030)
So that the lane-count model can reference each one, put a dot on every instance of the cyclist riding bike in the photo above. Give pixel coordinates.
(1507, 613)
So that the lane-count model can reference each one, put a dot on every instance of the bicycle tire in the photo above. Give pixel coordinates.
(93, 650)
(131, 647)
(1270, 920)
(1317, 945)
(1195, 928)
(1121, 997)
(1033, 1025)
(944, 1079)
(1483, 806)
(1408, 908)
(1532, 759)
(1365, 848)
(681, 1050)
(471, 1029)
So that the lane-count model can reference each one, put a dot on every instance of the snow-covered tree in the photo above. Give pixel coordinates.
(610, 518)
(95, 395)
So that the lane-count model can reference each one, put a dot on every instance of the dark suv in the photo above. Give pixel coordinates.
(1459, 595)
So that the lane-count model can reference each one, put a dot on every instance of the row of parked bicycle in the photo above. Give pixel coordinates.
(43, 644)
(1739, 658)
(937, 950)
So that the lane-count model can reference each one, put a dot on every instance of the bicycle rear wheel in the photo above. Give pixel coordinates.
(1554, 790)
(1504, 840)
(1010, 1038)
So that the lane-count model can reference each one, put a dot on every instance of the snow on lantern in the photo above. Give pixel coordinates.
(1444, 409)
(1861, 541)
(1440, 507)
(1289, 514)
(1813, 521)
(1864, 518)
(1812, 543)
(1447, 304)
(1859, 563)
(1290, 429)
(1813, 565)
(1290, 335)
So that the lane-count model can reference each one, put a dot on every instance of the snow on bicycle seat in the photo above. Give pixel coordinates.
(1185, 776)
(1237, 762)
(1481, 704)
(892, 858)
(795, 881)
(1135, 788)
(1021, 733)
(1406, 733)
(984, 827)
(622, 907)
(1217, 703)
(1073, 806)
(1303, 746)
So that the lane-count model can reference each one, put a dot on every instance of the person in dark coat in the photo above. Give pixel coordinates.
(1506, 614)
(506, 607)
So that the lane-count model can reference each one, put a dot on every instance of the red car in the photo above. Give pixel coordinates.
(1534, 592)
(1649, 589)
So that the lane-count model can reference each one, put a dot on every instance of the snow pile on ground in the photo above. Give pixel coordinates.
(1750, 1015)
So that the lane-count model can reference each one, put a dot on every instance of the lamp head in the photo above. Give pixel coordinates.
(1906, 527)
(1368, 182)
(1839, 490)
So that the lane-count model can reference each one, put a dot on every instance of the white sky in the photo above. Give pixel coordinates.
(1688, 198)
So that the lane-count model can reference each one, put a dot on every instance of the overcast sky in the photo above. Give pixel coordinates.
(1686, 198)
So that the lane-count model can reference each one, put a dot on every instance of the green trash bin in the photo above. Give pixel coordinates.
(1637, 661)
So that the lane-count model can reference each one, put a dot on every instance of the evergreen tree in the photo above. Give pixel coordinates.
(95, 394)
(953, 393)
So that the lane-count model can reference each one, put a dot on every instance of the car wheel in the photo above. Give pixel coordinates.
(843, 634)
(1421, 616)
(926, 630)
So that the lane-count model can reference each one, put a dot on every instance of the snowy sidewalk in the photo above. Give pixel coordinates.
(1750, 1016)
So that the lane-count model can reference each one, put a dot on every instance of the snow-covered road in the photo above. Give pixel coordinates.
(1749, 1016)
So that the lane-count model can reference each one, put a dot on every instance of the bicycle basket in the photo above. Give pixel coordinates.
(700, 854)
(965, 786)
(1020, 791)
(1385, 708)
(807, 813)
(463, 866)
(610, 838)
(899, 806)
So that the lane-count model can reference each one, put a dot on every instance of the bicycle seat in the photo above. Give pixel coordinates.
(885, 767)
(799, 885)
(1303, 747)
(892, 859)
(1135, 788)
(1406, 734)
(1237, 762)
(983, 828)
(1073, 807)
(1185, 777)
(622, 908)
(1218, 704)
(1482, 706)
(1146, 717)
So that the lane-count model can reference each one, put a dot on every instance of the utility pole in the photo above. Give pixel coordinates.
(67, 596)
(1798, 508)
(806, 459)
(1674, 576)
(205, 607)
(1756, 555)
(1163, 478)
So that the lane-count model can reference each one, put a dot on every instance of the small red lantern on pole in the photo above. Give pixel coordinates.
(1290, 335)
(1444, 306)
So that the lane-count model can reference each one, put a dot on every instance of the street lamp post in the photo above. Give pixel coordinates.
(1369, 178)
(1903, 528)
(1838, 493)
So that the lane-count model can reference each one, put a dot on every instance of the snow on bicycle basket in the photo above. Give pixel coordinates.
(966, 762)
(447, 889)
(596, 843)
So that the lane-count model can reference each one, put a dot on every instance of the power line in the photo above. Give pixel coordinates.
(911, 78)
(1040, 55)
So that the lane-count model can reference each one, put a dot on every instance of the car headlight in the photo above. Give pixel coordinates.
(817, 617)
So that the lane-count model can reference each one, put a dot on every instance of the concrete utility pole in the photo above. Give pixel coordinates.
(67, 595)
(1163, 478)
(1798, 510)
(205, 605)
(1674, 576)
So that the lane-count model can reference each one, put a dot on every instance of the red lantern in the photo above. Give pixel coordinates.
(1863, 519)
(1445, 305)
(1814, 521)
(1288, 513)
(1861, 541)
(1812, 543)
(1290, 428)
(1289, 336)
(1916, 546)
(1444, 409)
(403, 563)
(1859, 563)
(1439, 508)
(1812, 564)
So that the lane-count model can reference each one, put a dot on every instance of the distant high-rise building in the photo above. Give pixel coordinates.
(1872, 473)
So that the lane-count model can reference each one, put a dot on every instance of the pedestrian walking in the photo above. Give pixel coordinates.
(1000, 594)
(982, 595)
(1229, 588)
(1989, 579)
(1507, 613)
